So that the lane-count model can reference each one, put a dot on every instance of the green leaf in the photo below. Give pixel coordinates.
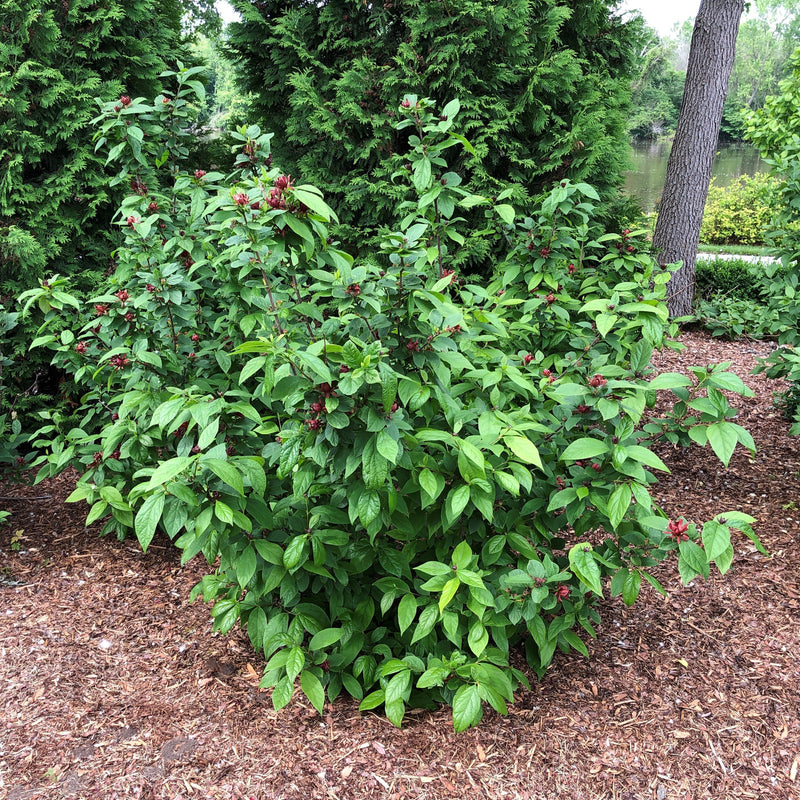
(583, 564)
(584, 448)
(369, 507)
(467, 708)
(448, 592)
(167, 470)
(282, 693)
(147, 518)
(372, 700)
(312, 197)
(716, 539)
(325, 638)
(669, 380)
(645, 456)
(406, 611)
(723, 438)
(223, 512)
(631, 587)
(471, 463)
(478, 638)
(246, 566)
(524, 449)
(313, 690)
(605, 322)
(575, 642)
(457, 499)
(505, 212)
(387, 447)
(226, 472)
(694, 557)
(618, 504)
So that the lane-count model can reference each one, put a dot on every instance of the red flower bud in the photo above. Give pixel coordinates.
(597, 381)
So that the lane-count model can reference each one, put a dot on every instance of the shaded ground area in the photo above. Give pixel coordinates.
(113, 686)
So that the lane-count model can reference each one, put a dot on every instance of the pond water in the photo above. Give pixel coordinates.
(649, 159)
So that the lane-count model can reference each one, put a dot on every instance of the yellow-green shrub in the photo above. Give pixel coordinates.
(741, 212)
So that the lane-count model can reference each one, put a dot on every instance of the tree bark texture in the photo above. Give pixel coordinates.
(677, 233)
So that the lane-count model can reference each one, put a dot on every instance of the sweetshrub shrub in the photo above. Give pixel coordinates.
(397, 475)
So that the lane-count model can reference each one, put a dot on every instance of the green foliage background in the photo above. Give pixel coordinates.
(56, 59)
(543, 87)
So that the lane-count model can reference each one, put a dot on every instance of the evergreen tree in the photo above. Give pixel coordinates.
(56, 58)
(543, 88)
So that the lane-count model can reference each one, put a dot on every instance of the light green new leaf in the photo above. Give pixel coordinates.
(583, 564)
(584, 448)
(524, 449)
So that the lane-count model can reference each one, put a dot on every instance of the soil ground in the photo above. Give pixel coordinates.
(113, 685)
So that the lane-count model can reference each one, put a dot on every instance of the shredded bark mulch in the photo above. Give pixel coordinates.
(114, 686)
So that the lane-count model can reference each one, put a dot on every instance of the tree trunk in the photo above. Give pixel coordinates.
(680, 213)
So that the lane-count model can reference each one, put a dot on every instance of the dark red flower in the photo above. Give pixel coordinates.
(527, 358)
(199, 174)
(122, 296)
(131, 221)
(241, 199)
(677, 530)
(130, 316)
(125, 100)
(597, 381)
(80, 347)
(562, 593)
(101, 309)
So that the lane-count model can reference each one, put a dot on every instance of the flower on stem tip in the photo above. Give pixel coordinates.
(597, 381)
(677, 530)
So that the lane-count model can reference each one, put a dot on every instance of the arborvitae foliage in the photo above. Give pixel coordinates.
(56, 58)
(543, 89)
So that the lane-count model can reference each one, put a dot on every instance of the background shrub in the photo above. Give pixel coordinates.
(741, 213)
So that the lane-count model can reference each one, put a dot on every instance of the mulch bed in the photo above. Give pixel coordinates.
(114, 686)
